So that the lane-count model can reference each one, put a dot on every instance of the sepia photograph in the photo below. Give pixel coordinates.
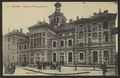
(60, 38)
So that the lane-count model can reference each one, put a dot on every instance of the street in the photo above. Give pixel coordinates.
(81, 71)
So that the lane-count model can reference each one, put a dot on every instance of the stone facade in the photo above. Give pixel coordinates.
(83, 41)
(10, 45)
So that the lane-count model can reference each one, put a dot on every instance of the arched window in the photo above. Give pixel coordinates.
(95, 56)
(81, 56)
(69, 57)
(105, 36)
(105, 55)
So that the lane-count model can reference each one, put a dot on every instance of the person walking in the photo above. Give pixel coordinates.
(13, 67)
(104, 68)
(40, 66)
(37, 64)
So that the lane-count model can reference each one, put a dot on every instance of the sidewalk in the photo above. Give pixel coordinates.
(64, 71)
(69, 71)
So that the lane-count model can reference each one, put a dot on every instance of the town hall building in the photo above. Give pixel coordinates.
(84, 41)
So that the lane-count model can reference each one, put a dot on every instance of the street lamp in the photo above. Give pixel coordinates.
(75, 59)
(60, 56)
(60, 63)
(74, 46)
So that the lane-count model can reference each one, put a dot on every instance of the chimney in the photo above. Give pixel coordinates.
(94, 14)
(106, 11)
(77, 18)
(70, 20)
(21, 30)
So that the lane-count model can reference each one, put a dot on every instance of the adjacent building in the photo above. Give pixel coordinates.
(10, 42)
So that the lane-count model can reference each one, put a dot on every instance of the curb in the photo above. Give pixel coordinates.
(54, 73)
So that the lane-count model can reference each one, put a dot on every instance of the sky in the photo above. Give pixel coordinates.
(18, 15)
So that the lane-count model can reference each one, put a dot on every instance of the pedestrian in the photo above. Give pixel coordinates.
(6, 68)
(12, 68)
(104, 68)
(43, 65)
(13, 65)
(37, 64)
(40, 66)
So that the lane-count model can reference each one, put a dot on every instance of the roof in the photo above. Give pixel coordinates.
(65, 27)
(97, 17)
(16, 32)
(71, 25)
(42, 25)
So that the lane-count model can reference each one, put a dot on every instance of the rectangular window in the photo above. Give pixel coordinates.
(20, 58)
(95, 56)
(81, 56)
(25, 47)
(43, 33)
(40, 41)
(106, 56)
(70, 57)
(62, 43)
(43, 41)
(105, 25)
(54, 44)
(35, 35)
(69, 42)
(31, 35)
(31, 42)
(54, 57)
(35, 42)
(20, 47)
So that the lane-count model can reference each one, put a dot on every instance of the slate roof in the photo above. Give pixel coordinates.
(98, 17)
(16, 32)
(42, 25)
(71, 25)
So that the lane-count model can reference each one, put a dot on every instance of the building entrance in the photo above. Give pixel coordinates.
(62, 60)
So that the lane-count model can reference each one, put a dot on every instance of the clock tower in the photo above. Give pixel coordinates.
(57, 18)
